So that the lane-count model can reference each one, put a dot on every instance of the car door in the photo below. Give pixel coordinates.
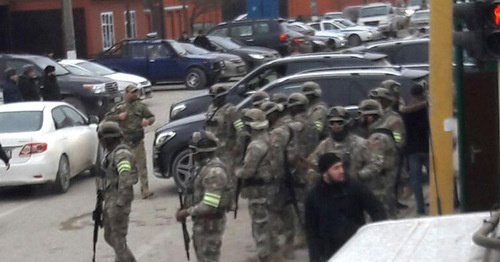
(243, 32)
(162, 62)
(137, 61)
(263, 34)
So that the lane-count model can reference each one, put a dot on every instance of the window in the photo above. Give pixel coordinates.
(137, 51)
(219, 32)
(266, 77)
(130, 29)
(60, 119)
(241, 30)
(75, 117)
(329, 26)
(296, 67)
(413, 54)
(262, 28)
(159, 50)
(107, 30)
(316, 27)
(22, 121)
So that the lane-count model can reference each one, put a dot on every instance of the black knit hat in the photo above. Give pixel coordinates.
(10, 72)
(49, 69)
(326, 161)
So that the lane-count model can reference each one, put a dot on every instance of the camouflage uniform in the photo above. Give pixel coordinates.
(382, 162)
(258, 98)
(317, 111)
(120, 176)
(258, 181)
(134, 134)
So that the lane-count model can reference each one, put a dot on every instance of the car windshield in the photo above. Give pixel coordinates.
(96, 68)
(373, 11)
(226, 43)
(78, 71)
(43, 62)
(178, 48)
(345, 22)
(192, 49)
(24, 121)
(421, 15)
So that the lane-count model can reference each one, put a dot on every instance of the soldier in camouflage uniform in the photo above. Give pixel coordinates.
(282, 216)
(117, 187)
(223, 121)
(341, 142)
(394, 87)
(133, 116)
(207, 198)
(258, 182)
(258, 98)
(317, 110)
(390, 119)
(281, 100)
(382, 159)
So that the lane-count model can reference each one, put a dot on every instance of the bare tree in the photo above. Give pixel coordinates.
(199, 7)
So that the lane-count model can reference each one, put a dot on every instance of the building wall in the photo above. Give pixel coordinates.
(174, 20)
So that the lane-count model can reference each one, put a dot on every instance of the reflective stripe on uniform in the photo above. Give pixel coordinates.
(123, 166)
(397, 137)
(318, 125)
(238, 124)
(211, 200)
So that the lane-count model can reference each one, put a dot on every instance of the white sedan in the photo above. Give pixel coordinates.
(84, 67)
(47, 142)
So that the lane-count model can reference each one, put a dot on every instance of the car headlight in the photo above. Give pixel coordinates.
(256, 56)
(164, 137)
(177, 109)
(96, 88)
(409, 12)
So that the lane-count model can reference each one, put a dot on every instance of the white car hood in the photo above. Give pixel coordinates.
(127, 77)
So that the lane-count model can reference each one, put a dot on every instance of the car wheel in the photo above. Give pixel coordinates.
(182, 168)
(195, 79)
(354, 40)
(77, 103)
(94, 170)
(61, 185)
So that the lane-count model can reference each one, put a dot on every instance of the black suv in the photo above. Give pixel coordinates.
(91, 95)
(274, 70)
(256, 32)
(171, 155)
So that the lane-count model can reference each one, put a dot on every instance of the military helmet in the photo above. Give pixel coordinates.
(370, 107)
(258, 98)
(311, 88)
(218, 90)
(381, 92)
(109, 129)
(256, 119)
(392, 85)
(270, 107)
(297, 99)
(338, 113)
(203, 142)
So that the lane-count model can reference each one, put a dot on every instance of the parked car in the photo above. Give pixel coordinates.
(415, 5)
(421, 19)
(88, 68)
(47, 143)
(354, 37)
(331, 15)
(171, 154)
(255, 32)
(151, 57)
(352, 13)
(388, 19)
(333, 40)
(90, 95)
(348, 24)
(234, 66)
(276, 69)
(301, 43)
(252, 55)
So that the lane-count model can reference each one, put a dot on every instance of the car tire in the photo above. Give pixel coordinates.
(63, 177)
(354, 40)
(195, 79)
(94, 170)
(182, 168)
(77, 103)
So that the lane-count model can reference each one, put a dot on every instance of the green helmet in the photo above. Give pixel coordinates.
(218, 90)
(203, 142)
(258, 98)
(269, 107)
(339, 113)
(256, 119)
(109, 129)
(370, 107)
(297, 99)
(391, 85)
(311, 88)
(383, 93)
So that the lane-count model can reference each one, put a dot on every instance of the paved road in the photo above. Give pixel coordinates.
(36, 225)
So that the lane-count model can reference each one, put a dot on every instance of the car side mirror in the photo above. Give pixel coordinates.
(93, 120)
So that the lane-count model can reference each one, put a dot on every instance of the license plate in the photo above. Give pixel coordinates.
(118, 99)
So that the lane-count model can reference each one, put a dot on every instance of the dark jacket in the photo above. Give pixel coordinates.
(50, 89)
(334, 212)
(3, 155)
(203, 42)
(417, 131)
(183, 40)
(11, 93)
(29, 89)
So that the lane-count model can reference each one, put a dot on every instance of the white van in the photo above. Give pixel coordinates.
(387, 18)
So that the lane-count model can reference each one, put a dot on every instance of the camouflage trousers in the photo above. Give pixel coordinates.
(261, 226)
(388, 199)
(207, 238)
(140, 158)
(282, 224)
(300, 193)
(115, 222)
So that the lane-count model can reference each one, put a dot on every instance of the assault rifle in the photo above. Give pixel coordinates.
(184, 227)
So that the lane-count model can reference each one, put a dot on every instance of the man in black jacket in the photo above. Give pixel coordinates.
(334, 209)
(27, 84)
(11, 93)
(50, 88)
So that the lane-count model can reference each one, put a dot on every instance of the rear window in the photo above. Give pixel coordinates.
(373, 11)
(26, 121)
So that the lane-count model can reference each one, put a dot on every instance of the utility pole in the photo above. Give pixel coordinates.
(68, 29)
(161, 16)
(185, 27)
(128, 20)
